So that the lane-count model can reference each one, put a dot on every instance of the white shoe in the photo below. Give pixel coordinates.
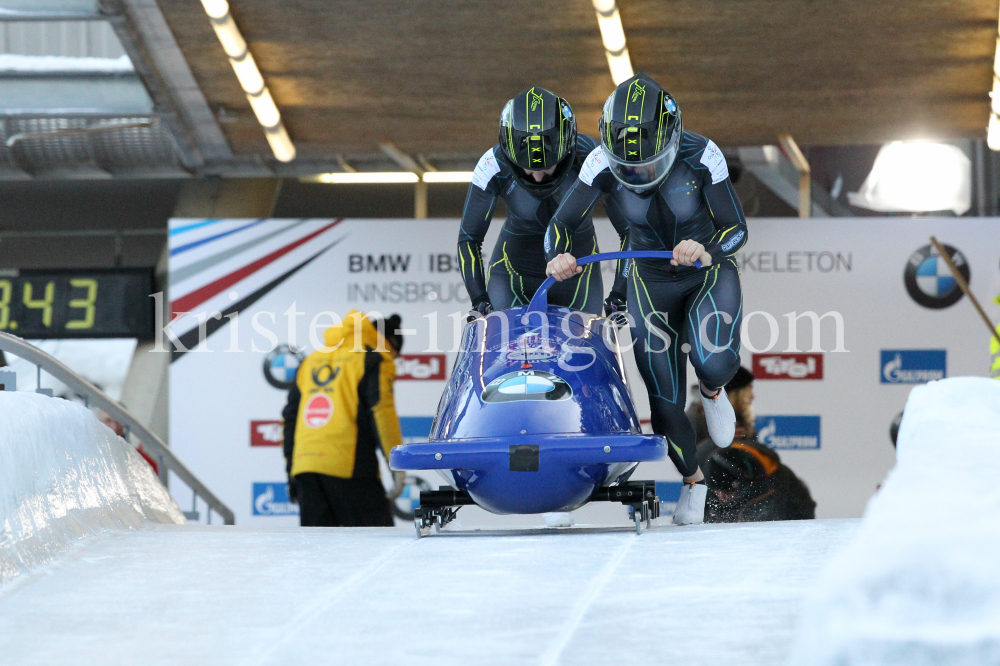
(691, 504)
(720, 418)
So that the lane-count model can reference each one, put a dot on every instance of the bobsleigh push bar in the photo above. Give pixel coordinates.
(540, 300)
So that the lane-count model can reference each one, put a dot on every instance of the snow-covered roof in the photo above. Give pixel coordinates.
(58, 64)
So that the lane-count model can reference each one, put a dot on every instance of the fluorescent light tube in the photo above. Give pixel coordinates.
(370, 177)
(448, 177)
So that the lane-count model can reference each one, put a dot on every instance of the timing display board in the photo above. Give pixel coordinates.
(77, 304)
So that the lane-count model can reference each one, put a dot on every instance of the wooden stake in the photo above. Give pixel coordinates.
(964, 286)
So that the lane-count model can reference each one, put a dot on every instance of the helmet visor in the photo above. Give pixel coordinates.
(643, 175)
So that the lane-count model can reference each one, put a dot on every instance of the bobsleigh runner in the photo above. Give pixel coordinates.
(537, 417)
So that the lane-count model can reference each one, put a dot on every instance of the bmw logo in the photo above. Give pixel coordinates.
(527, 385)
(928, 279)
(281, 365)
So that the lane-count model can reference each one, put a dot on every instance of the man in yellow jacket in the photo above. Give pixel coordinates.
(340, 411)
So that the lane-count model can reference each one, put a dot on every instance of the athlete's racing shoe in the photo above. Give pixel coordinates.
(691, 504)
(720, 418)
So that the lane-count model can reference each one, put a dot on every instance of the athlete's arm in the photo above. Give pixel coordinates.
(578, 205)
(480, 204)
(730, 224)
(620, 223)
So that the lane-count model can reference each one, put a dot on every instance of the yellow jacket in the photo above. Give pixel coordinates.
(341, 407)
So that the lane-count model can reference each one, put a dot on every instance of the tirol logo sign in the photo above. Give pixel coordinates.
(319, 410)
(271, 499)
(789, 432)
(788, 366)
(420, 366)
(928, 279)
(266, 433)
(913, 366)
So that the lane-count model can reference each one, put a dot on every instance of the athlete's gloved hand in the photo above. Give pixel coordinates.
(482, 305)
(398, 483)
(615, 308)
(293, 491)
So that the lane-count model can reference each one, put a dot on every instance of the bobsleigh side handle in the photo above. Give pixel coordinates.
(540, 301)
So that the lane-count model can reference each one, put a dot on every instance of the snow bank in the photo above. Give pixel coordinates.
(64, 475)
(920, 584)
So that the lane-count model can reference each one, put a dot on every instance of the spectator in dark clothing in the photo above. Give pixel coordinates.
(747, 481)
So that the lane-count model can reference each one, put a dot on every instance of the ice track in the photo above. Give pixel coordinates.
(232, 595)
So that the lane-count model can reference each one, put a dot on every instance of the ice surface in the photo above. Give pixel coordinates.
(708, 594)
(64, 476)
(920, 584)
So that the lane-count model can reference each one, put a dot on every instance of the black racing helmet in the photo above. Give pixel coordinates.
(538, 131)
(641, 132)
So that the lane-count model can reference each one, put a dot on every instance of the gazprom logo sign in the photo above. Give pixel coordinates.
(271, 499)
(913, 366)
(789, 432)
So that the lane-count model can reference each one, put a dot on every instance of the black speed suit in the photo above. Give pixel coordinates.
(517, 267)
(676, 309)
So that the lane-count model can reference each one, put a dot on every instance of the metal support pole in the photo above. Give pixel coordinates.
(979, 164)
(801, 165)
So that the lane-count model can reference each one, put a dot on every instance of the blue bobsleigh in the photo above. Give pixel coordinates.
(536, 417)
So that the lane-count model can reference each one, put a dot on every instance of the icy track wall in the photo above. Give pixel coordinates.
(920, 584)
(64, 476)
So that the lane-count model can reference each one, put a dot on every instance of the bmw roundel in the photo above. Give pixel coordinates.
(928, 279)
(527, 385)
(281, 365)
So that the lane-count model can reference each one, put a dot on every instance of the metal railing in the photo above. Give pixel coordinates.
(153, 446)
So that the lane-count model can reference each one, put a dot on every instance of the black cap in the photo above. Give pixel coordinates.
(741, 379)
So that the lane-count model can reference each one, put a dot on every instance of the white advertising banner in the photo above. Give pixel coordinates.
(841, 318)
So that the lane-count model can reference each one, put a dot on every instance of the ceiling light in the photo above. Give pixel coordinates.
(359, 177)
(917, 177)
(232, 40)
(448, 177)
(250, 79)
(281, 144)
(613, 36)
(216, 9)
(265, 109)
(993, 133)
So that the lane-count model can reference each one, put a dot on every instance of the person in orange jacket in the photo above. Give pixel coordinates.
(340, 411)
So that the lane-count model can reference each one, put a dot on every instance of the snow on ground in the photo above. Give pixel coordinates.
(920, 584)
(709, 594)
(64, 476)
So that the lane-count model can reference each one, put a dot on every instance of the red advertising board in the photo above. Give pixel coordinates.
(420, 366)
(788, 366)
(266, 433)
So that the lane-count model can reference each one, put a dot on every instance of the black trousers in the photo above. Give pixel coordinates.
(696, 316)
(329, 501)
(517, 270)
